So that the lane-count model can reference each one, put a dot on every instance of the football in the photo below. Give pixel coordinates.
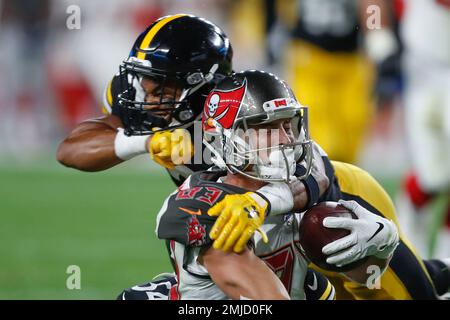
(314, 236)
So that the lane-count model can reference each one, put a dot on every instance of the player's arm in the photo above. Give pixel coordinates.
(363, 272)
(99, 144)
(376, 20)
(307, 192)
(318, 287)
(382, 46)
(243, 275)
(300, 195)
(234, 226)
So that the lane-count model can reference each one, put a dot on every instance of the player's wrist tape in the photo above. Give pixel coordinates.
(311, 186)
(279, 197)
(313, 191)
(127, 147)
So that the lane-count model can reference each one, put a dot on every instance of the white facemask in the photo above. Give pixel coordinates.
(276, 167)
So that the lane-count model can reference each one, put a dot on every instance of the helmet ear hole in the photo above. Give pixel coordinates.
(183, 114)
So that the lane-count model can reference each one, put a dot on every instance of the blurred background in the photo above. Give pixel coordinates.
(366, 75)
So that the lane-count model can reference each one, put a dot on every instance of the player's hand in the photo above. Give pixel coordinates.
(160, 148)
(170, 148)
(371, 235)
(239, 216)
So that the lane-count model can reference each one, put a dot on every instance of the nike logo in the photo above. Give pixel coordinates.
(314, 284)
(381, 226)
(198, 212)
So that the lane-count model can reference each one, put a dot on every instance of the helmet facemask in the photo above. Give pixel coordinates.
(170, 111)
(253, 148)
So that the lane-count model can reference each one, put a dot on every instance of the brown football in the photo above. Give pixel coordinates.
(314, 236)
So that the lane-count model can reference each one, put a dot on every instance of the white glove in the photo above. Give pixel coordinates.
(371, 235)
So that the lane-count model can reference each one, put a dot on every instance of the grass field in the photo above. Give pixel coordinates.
(53, 217)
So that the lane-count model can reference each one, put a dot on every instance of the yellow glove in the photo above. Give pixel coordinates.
(170, 148)
(160, 148)
(239, 216)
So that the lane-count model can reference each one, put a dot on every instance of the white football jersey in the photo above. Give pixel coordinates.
(282, 254)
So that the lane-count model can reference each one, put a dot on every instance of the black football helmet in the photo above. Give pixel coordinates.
(183, 51)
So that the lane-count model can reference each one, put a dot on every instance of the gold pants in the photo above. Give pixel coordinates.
(337, 89)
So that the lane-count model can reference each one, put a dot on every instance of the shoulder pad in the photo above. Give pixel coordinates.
(184, 217)
(110, 96)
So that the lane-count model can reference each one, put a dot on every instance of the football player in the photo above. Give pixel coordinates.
(425, 32)
(407, 277)
(161, 87)
(102, 143)
(163, 83)
(257, 134)
(171, 68)
(326, 66)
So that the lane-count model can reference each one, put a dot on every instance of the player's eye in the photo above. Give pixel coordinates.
(287, 126)
(167, 97)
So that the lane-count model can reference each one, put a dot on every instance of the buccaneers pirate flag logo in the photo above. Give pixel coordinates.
(223, 107)
(196, 232)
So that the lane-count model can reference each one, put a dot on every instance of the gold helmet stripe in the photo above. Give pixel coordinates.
(109, 94)
(153, 31)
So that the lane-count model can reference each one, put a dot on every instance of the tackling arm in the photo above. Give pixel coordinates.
(91, 145)
(362, 273)
(233, 228)
(100, 144)
(306, 193)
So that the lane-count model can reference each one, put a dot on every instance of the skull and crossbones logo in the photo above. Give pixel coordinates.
(213, 104)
